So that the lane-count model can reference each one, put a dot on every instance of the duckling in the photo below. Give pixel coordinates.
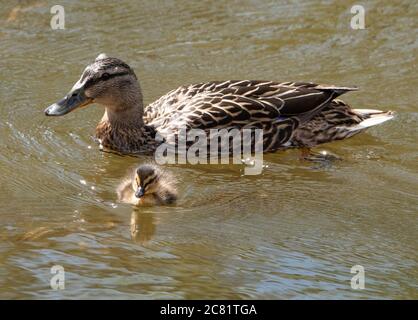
(291, 114)
(149, 185)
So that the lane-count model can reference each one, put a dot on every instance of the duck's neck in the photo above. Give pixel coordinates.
(122, 129)
(125, 107)
(124, 117)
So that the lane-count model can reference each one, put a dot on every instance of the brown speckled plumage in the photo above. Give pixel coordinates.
(127, 139)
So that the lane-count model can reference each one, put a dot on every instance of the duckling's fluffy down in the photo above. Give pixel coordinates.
(163, 192)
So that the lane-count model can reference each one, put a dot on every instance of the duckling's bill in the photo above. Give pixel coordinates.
(139, 193)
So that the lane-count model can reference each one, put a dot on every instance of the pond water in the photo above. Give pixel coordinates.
(292, 232)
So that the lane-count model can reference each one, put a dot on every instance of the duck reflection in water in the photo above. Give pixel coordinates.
(143, 226)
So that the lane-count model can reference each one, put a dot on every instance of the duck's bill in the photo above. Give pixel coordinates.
(70, 102)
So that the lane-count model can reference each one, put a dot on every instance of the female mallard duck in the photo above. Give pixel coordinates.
(149, 185)
(291, 114)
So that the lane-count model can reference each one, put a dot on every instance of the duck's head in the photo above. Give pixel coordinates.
(107, 81)
(147, 179)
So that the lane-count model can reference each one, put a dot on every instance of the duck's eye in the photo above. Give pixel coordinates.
(105, 76)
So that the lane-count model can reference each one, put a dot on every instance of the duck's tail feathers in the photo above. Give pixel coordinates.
(371, 118)
(336, 89)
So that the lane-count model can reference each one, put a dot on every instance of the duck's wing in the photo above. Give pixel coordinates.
(277, 108)
(287, 98)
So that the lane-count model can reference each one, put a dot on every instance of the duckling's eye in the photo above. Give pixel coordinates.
(105, 76)
(149, 182)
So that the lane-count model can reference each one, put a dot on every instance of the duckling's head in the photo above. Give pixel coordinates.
(147, 180)
(107, 81)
